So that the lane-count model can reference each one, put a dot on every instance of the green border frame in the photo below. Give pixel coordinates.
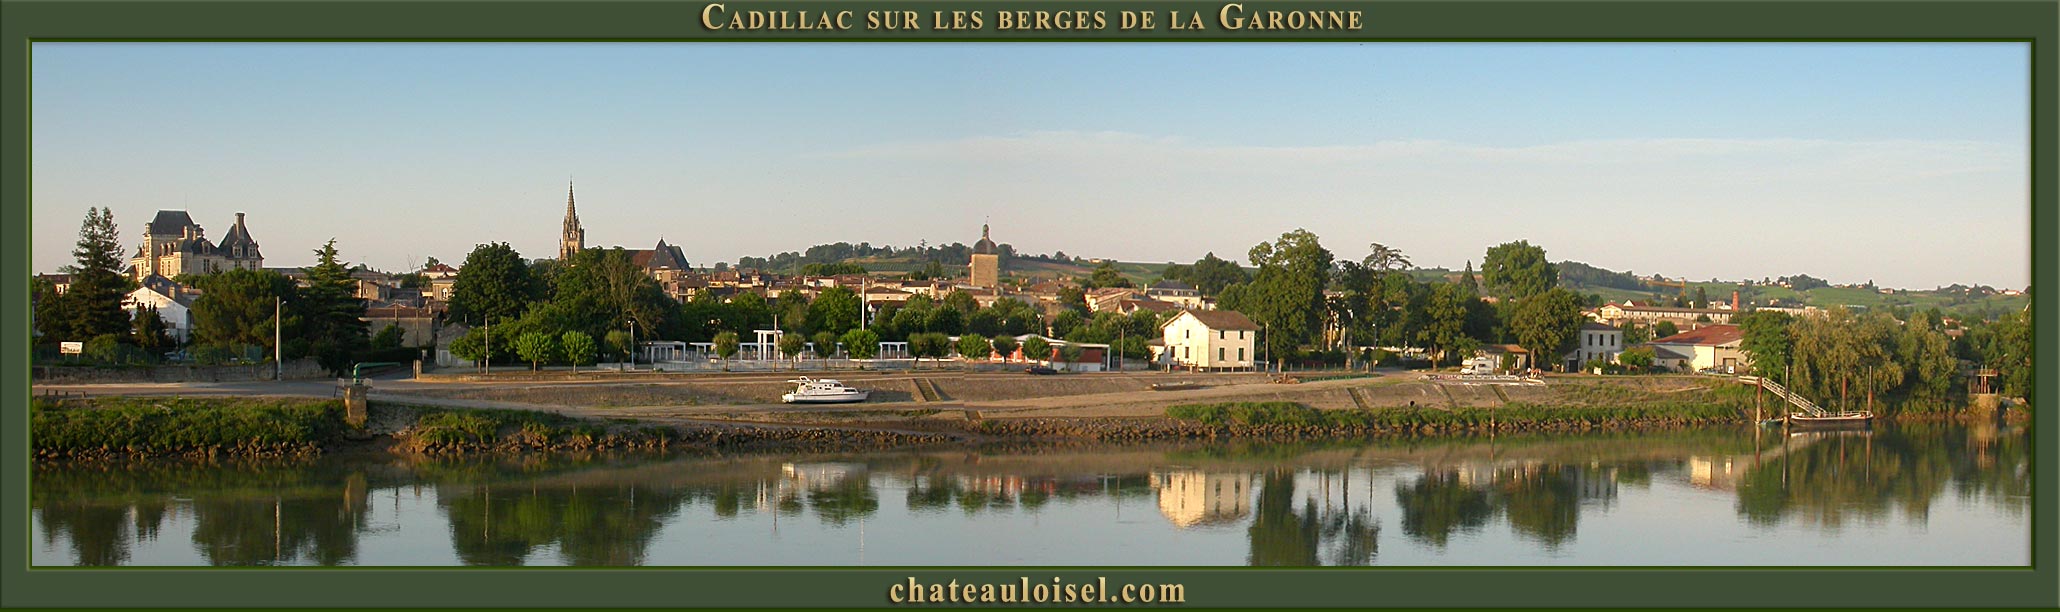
(2034, 21)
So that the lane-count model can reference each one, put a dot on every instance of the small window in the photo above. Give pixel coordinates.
(1219, 353)
(1241, 352)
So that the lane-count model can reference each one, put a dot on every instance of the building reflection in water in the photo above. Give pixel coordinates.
(1193, 498)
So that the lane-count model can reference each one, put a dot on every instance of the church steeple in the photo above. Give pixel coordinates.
(573, 237)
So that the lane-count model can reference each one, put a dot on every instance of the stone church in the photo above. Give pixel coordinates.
(173, 244)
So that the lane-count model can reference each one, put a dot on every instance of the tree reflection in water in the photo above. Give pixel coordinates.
(1438, 505)
(608, 512)
(1280, 535)
(1845, 475)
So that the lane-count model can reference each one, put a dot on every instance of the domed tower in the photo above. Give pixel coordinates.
(573, 238)
(986, 264)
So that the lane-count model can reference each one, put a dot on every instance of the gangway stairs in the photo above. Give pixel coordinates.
(1801, 403)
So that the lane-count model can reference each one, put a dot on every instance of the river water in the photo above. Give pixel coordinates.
(1911, 495)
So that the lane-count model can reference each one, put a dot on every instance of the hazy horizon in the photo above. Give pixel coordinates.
(1902, 163)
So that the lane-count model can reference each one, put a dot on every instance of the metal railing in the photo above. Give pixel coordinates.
(1802, 403)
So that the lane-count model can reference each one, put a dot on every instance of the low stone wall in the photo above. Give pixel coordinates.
(304, 369)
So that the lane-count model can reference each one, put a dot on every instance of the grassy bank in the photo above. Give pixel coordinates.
(127, 428)
(201, 427)
(1284, 417)
(446, 431)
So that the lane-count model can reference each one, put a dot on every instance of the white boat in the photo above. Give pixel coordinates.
(823, 391)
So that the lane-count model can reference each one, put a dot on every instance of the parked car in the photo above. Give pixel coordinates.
(1039, 370)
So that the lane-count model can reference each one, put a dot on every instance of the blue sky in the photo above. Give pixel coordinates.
(1849, 161)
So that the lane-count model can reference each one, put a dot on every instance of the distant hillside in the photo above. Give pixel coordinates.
(1580, 277)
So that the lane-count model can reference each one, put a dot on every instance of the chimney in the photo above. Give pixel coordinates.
(239, 219)
(1734, 294)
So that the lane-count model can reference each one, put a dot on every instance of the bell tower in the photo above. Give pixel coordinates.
(573, 238)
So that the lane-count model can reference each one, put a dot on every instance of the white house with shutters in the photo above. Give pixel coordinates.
(1596, 341)
(1208, 340)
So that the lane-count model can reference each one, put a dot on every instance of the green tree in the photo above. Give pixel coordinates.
(746, 312)
(1547, 324)
(962, 302)
(1930, 369)
(945, 320)
(1636, 334)
(579, 348)
(536, 347)
(931, 345)
(1211, 274)
(331, 311)
(1766, 341)
(1005, 345)
(1444, 329)
(494, 282)
(388, 338)
(793, 345)
(49, 312)
(92, 305)
(974, 347)
(473, 345)
(602, 289)
(618, 340)
(1037, 349)
(1517, 270)
(826, 344)
(726, 345)
(1637, 359)
(150, 332)
(793, 308)
(1071, 353)
(834, 310)
(1467, 282)
(1665, 329)
(236, 307)
(1073, 299)
(861, 343)
(1067, 321)
(1286, 297)
(1106, 275)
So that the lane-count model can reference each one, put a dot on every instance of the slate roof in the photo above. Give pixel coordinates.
(168, 222)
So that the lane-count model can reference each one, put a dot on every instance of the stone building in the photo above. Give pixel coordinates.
(573, 237)
(986, 264)
(173, 244)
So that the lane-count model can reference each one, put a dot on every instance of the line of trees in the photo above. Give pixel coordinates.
(522, 311)
(1846, 358)
(1375, 301)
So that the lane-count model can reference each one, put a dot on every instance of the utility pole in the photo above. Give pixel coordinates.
(278, 365)
(486, 364)
(632, 345)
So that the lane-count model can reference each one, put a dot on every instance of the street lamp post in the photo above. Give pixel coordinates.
(632, 345)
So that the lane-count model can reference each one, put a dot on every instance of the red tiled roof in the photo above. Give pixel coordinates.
(1711, 335)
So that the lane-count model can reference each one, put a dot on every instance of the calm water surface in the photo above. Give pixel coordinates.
(1918, 495)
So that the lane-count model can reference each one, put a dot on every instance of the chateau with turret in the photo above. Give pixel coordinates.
(173, 244)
